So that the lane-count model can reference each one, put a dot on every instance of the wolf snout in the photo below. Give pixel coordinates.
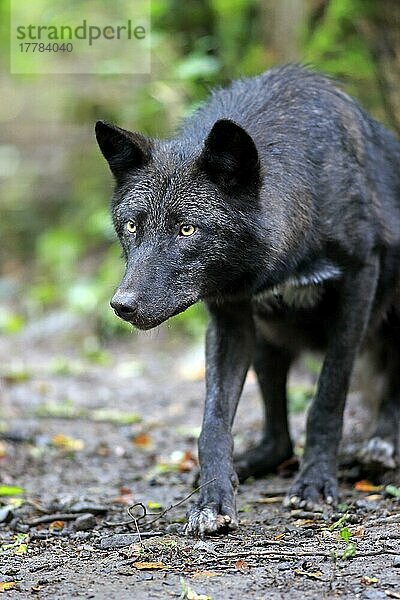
(124, 306)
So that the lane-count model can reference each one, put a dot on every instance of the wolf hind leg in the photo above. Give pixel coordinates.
(380, 452)
(272, 366)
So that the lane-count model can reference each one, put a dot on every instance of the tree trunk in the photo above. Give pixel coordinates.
(283, 21)
(381, 31)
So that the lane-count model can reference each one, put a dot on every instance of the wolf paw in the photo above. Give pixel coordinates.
(210, 519)
(378, 454)
(314, 485)
(261, 459)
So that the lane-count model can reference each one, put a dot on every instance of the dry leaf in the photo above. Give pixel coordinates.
(368, 580)
(205, 574)
(303, 522)
(3, 450)
(316, 575)
(241, 565)
(193, 371)
(143, 566)
(366, 486)
(7, 585)
(188, 462)
(358, 531)
(373, 497)
(57, 525)
(69, 444)
(126, 497)
(22, 549)
(142, 440)
(270, 500)
(279, 536)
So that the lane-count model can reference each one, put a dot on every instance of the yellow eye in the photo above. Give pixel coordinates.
(187, 230)
(131, 227)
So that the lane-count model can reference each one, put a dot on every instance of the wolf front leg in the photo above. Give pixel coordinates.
(229, 350)
(317, 477)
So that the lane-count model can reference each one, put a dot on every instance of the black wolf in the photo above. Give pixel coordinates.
(278, 205)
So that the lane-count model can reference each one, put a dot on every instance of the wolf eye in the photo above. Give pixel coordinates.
(187, 230)
(131, 227)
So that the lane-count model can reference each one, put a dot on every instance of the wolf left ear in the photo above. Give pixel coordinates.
(123, 150)
(230, 155)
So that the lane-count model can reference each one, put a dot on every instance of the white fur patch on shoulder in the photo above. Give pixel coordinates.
(303, 289)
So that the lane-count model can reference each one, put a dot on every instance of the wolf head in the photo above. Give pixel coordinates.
(184, 212)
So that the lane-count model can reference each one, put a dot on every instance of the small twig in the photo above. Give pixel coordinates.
(158, 516)
(275, 554)
(53, 517)
(164, 512)
(137, 529)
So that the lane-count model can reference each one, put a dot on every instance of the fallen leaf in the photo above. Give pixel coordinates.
(192, 371)
(11, 490)
(373, 497)
(241, 565)
(144, 566)
(188, 462)
(358, 531)
(103, 449)
(270, 500)
(392, 490)
(303, 522)
(17, 376)
(142, 440)
(69, 444)
(56, 525)
(316, 575)
(22, 549)
(366, 486)
(117, 417)
(368, 580)
(205, 574)
(154, 505)
(7, 585)
(279, 536)
(189, 594)
(349, 551)
(125, 497)
(3, 450)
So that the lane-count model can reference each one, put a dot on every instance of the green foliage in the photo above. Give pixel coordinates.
(336, 45)
(350, 547)
(55, 226)
(299, 397)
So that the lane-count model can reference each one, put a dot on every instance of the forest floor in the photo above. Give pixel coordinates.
(88, 431)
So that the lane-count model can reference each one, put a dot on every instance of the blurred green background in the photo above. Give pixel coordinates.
(58, 251)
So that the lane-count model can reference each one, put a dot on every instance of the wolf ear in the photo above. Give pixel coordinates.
(123, 150)
(229, 155)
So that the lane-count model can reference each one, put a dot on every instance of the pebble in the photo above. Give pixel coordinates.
(6, 514)
(367, 505)
(87, 507)
(85, 522)
(396, 562)
(204, 546)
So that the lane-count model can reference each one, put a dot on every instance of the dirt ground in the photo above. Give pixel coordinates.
(89, 430)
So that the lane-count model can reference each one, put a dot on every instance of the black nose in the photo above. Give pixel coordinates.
(123, 306)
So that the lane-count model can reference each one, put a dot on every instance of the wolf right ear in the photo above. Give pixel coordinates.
(123, 150)
(230, 156)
